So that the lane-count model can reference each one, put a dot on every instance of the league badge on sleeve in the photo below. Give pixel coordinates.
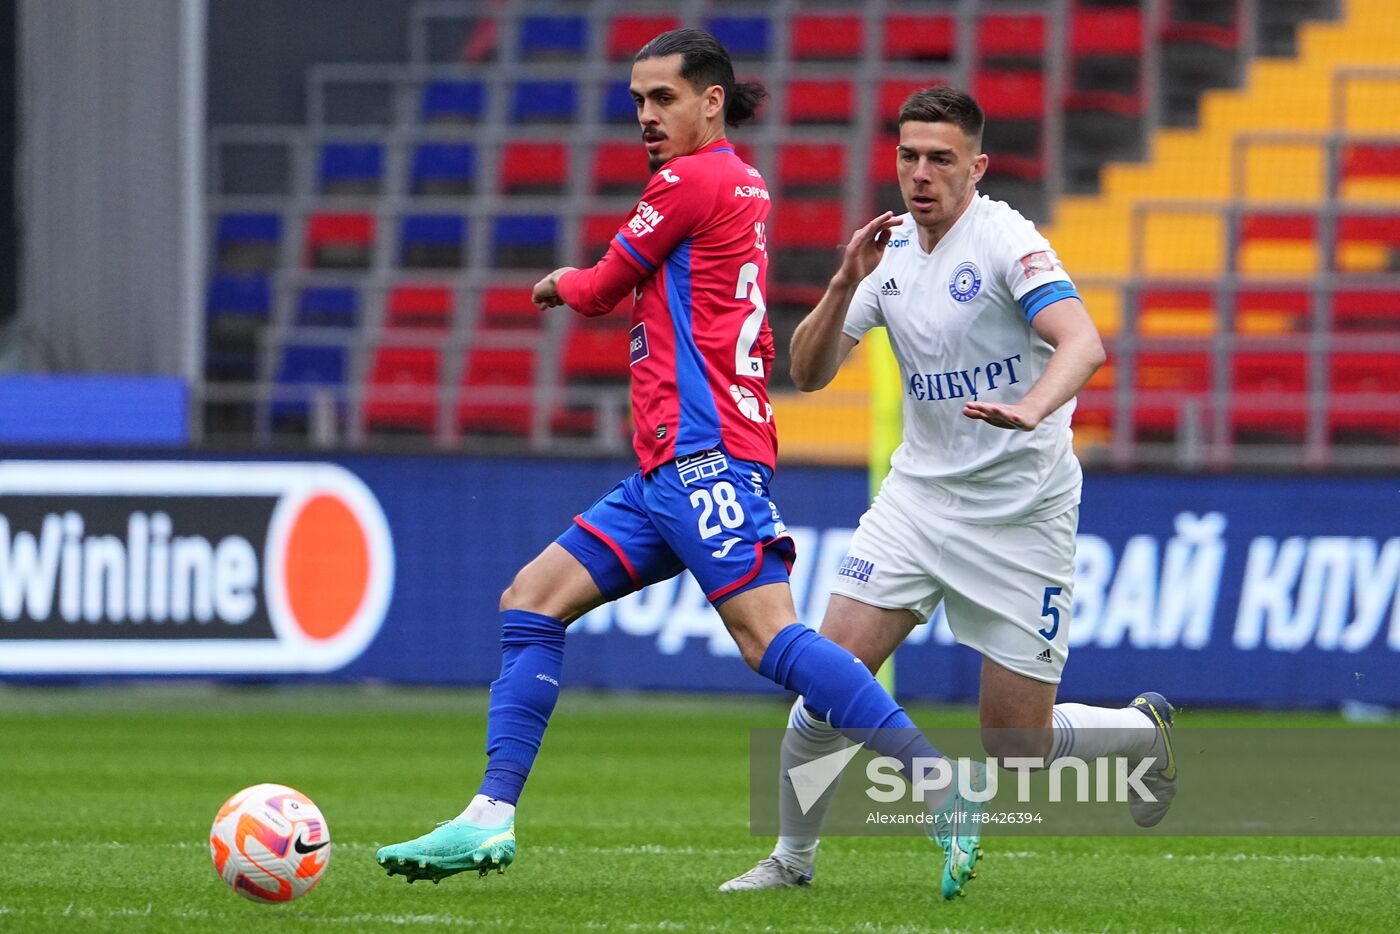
(965, 284)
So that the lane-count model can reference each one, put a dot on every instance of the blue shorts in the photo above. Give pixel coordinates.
(705, 513)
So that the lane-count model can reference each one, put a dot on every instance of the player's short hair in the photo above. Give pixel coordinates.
(705, 62)
(944, 104)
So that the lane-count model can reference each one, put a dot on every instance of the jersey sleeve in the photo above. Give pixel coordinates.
(1033, 273)
(676, 201)
(864, 312)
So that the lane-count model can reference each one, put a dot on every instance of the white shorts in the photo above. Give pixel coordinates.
(1008, 588)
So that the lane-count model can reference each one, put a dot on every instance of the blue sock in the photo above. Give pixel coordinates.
(522, 698)
(837, 687)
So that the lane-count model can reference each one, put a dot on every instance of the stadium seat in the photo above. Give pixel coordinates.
(1165, 380)
(339, 241)
(327, 306)
(746, 37)
(812, 168)
(1192, 23)
(351, 168)
(1372, 310)
(1093, 411)
(432, 241)
(1010, 94)
(1114, 30)
(892, 95)
(620, 168)
(1010, 37)
(1176, 311)
(627, 34)
(618, 106)
(534, 167)
(597, 235)
(401, 391)
(1370, 172)
(1270, 397)
(507, 308)
(246, 242)
(420, 307)
(525, 241)
(302, 370)
(1105, 50)
(809, 223)
(452, 101)
(495, 391)
(1364, 398)
(544, 102)
(830, 101)
(924, 38)
(1277, 243)
(562, 37)
(238, 308)
(1265, 312)
(594, 354)
(1368, 243)
(441, 168)
(827, 37)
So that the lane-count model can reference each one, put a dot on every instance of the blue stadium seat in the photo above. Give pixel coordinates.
(247, 241)
(460, 101)
(553, 36)
(618, 106)
(743, 36)
(432, 241)
(303, 367)
(328, 306)
(545, 101)
(525, 241)
(351, 168)
(237, 308)
(443, 169)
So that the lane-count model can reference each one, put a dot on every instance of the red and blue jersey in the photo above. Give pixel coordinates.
(694, 251)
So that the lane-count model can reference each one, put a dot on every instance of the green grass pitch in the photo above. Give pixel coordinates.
(635, 813)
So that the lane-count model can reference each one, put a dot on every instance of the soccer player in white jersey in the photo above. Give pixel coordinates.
(980, 507)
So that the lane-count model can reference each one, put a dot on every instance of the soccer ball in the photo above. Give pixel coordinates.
(270, 843)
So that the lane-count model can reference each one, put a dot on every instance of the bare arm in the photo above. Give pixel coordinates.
(818, 346)
(1079, 352)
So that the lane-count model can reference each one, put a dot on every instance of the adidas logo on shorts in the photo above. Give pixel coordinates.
(1045, 657)
(889, 288)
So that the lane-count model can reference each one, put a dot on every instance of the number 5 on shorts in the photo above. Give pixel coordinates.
(1051, 611)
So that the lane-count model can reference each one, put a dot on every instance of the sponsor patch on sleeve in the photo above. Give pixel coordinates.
(1035, 264)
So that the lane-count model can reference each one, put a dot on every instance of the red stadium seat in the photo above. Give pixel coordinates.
(620, 168)
(827, 37)
(401, 392)
(1011, 35)
(424, 307)
(922, 37)
(809, 223)
(1278, 227)
(1366, 310)
(1270, 396)
(595, 350)
(627, 34)
(1370, 160)
(339, 241)
(827, 101)
(507, 308)
(1010, 95)
(598, 233)
(494, 393)
(534, 167)
(811, 166)
(893, 93)
(1164, 381)
(1179, 24)
(1364, 389)
(1266, 312)
(1105, 31)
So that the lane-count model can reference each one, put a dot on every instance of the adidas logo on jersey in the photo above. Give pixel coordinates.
(889, 288)
(1044, 657)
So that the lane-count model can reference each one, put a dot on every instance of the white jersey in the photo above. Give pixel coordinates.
(959, 322)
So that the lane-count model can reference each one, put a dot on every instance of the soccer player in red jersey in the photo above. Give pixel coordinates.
(693, 254)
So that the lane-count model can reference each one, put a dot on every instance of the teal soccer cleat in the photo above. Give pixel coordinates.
(454, 846)
(959, 832)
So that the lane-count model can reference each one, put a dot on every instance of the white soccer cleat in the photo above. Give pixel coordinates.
(1161, 782)
(770, 873)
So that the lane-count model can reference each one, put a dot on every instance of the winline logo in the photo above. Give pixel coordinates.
(193, 568)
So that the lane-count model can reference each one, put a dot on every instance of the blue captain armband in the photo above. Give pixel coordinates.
(1037, 299)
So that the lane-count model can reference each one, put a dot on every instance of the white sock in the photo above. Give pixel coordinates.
(805, 739)
(487, 812)
(1087, 733)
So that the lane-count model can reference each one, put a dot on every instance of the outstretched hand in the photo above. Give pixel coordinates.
(862, 254)
(1011, 417)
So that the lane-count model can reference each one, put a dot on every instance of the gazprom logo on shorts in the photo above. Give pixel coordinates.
(188, 568)
(966, 283)
(856, 568)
